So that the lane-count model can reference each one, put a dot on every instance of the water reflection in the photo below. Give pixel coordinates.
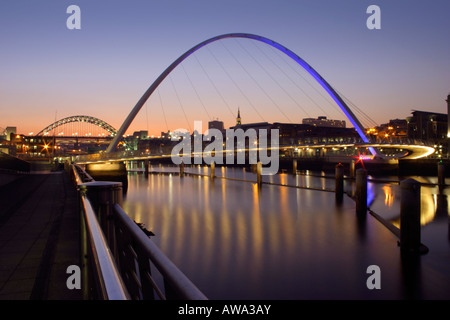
(441, 204)
(388, 195)
(237, 240)
(384, 199)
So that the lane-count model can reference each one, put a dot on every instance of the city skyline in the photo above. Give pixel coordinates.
(102, 70)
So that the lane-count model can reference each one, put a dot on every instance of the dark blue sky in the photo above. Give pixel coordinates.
(104, 68)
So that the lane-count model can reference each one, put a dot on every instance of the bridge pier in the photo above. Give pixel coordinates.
(106, 167)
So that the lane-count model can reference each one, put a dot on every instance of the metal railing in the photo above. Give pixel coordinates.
(127, 249)
(135, 252)
(101, 278)
(108, 282)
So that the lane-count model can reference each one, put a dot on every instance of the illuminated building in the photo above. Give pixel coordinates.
(430, 127)
(427, 126)
(394, 128)
(296, 133)
(10, 131)
(324, 122)
(216, 124)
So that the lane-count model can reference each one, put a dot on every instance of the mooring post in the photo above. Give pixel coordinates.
(181, 169)
(352, 169)
(258, 172)
(410, 216)
(361, 192)
(294, 166)
(441, 174)
(339, 175)
(213, 170)
(146, 166)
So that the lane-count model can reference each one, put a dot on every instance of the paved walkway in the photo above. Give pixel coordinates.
(39, 237)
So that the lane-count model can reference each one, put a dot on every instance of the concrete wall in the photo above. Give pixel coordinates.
(8, 177)
(12, 163)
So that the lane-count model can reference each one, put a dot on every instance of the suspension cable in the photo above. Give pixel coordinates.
(256, 82)
(162, 108)
(196, 92)
(371, 122)
(309, 83)
(292, 81)
(181, 104)
(214, 85)
(358, 110)
(243, 94)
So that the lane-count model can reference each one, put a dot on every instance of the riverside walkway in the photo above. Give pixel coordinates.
(39, 237)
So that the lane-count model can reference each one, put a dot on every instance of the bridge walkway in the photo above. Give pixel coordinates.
(39, 237)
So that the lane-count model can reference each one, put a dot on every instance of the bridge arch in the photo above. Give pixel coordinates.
(340, 102)
(80, 118)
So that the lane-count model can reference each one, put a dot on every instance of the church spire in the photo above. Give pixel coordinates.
(238, 118)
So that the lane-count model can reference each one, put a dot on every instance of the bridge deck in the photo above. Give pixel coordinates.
(39, 237)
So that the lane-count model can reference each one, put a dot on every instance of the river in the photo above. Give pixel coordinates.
(236, 240)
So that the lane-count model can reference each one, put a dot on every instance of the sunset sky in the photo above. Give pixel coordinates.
(101, 70)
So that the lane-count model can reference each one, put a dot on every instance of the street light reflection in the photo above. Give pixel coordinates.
(388, 195)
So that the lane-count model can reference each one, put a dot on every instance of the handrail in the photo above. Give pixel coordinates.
(114, 280)
(106, 272)
(110, 282)
(79, 172)
(77, 176)
(183, 287)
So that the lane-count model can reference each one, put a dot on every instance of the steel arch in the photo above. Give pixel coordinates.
(344, 107)
(80, 118)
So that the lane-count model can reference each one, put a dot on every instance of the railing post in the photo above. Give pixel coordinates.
(85, 273)
(294, 166)
(410, 216)
(361, 192)
(339, 175)
(145, 274)
(103, 196)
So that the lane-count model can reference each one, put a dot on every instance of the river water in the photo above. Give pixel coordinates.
(236, 240)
